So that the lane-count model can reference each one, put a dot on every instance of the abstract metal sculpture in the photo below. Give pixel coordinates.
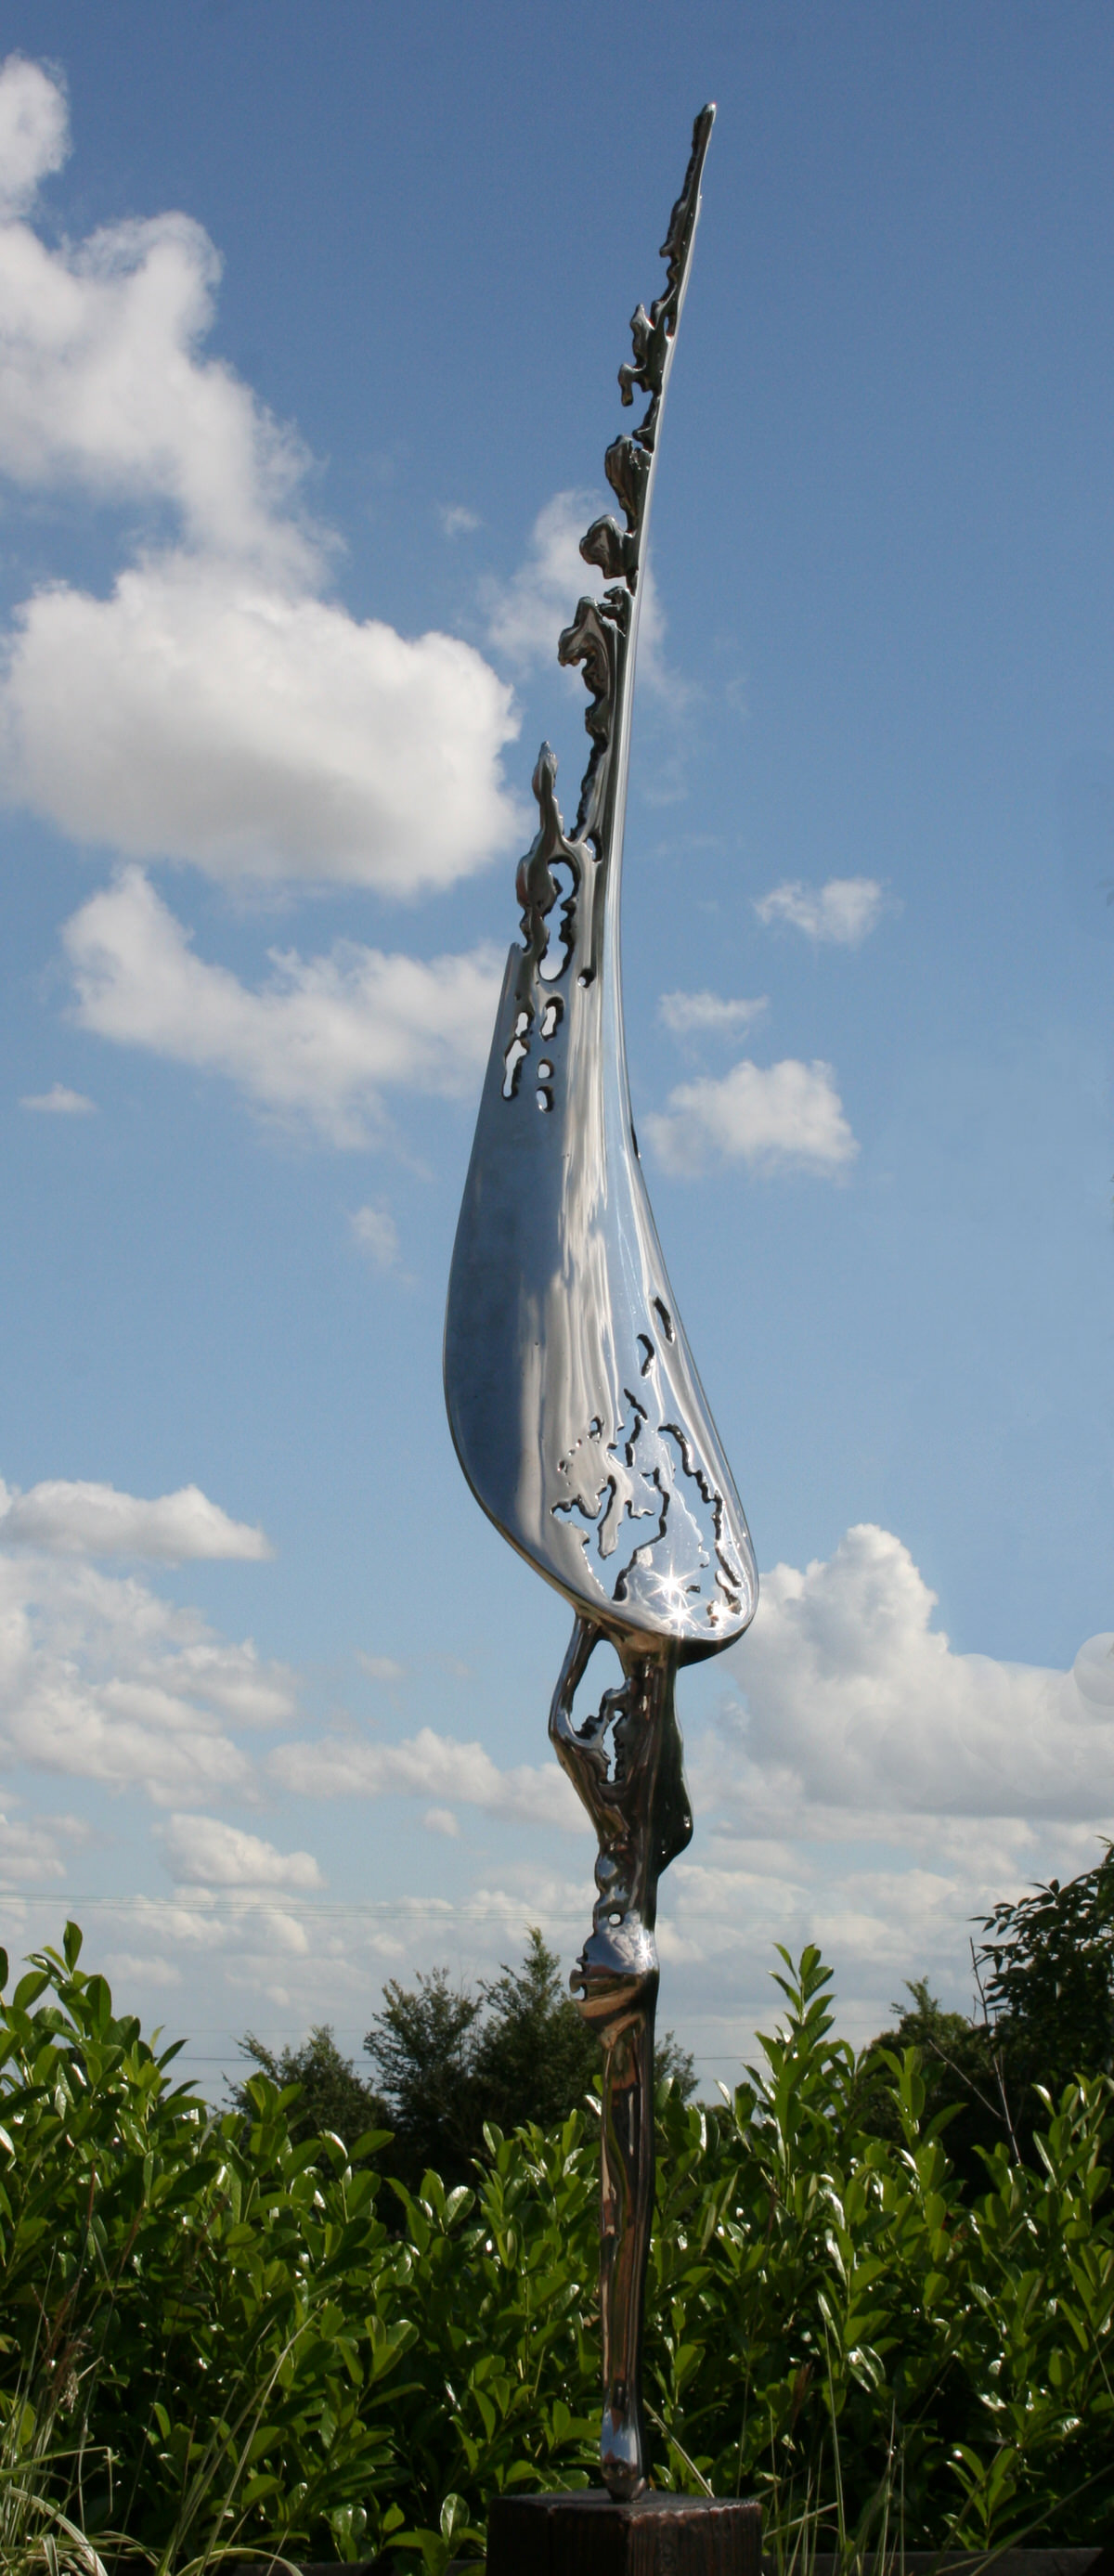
(576, 1410)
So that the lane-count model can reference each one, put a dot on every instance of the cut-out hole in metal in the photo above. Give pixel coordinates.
(552, 1015)
(544, 1098)
(560, 946)
(516, 1053)
(665, 1319)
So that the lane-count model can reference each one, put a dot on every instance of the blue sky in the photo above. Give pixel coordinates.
(309, 324)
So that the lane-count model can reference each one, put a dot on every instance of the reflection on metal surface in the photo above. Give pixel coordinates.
(574, 1403)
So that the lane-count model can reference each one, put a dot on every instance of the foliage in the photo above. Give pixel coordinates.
(209, 2318)
(872, 2329)
(216, 2317)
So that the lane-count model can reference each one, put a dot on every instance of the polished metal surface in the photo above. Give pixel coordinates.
(574, 1402)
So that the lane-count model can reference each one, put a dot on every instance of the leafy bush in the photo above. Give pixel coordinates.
(218, 2318)
(836, 2328)
(210, 2334)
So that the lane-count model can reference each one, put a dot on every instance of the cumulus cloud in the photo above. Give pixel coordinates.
(318, 1043)
(875, 1791)
(348, 1766)
(525, 615)
(214, 708)
(377, 1234)
(198, 714)
(248, 1934)
(34, 133)
(95, 1520)
(102, 1680)
(59, 1102)
(203, 1851)
(856, 1703)
(381, 1668)
(843, 912)
(102, 387)
(708, 1014)
(31, 1847)
(772, 1118)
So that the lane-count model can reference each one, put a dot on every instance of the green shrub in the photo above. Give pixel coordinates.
(210, 2335)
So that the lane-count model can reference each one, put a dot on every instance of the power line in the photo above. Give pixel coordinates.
(406, 1909)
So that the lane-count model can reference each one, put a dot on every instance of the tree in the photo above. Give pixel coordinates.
(449, 2061)
(333, 2095)
(420, 2048)
(1045, 1973)
(1046, 1968)
(960, 2078)
(534, 2057)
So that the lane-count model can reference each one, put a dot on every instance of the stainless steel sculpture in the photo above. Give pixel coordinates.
(575, 1406)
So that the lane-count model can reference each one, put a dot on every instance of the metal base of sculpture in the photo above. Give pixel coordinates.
(573, 1399)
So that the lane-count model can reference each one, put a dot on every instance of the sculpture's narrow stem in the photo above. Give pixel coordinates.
(626, 2218)
(639, 1807)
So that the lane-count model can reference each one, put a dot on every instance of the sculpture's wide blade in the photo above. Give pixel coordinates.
(573, 1399)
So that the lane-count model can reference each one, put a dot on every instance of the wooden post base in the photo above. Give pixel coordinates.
(588, 2534)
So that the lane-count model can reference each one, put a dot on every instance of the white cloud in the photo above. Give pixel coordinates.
(249, 1934)
(525, 615)
(377, 1234)
(102, 1680)
(348, 1766)
(874, 1791)
(131, 1968)
(34, 132)
(857, 1704)
(101, 387)
(58, 1102)
(708, 1014)
(213, 708)
(456, 520)
(770, 1117)
(843, 912)
(318, 1043)
(202, 1851)
(30, 1847)
(381, 1668)
(198, 714)
(95, 1520)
